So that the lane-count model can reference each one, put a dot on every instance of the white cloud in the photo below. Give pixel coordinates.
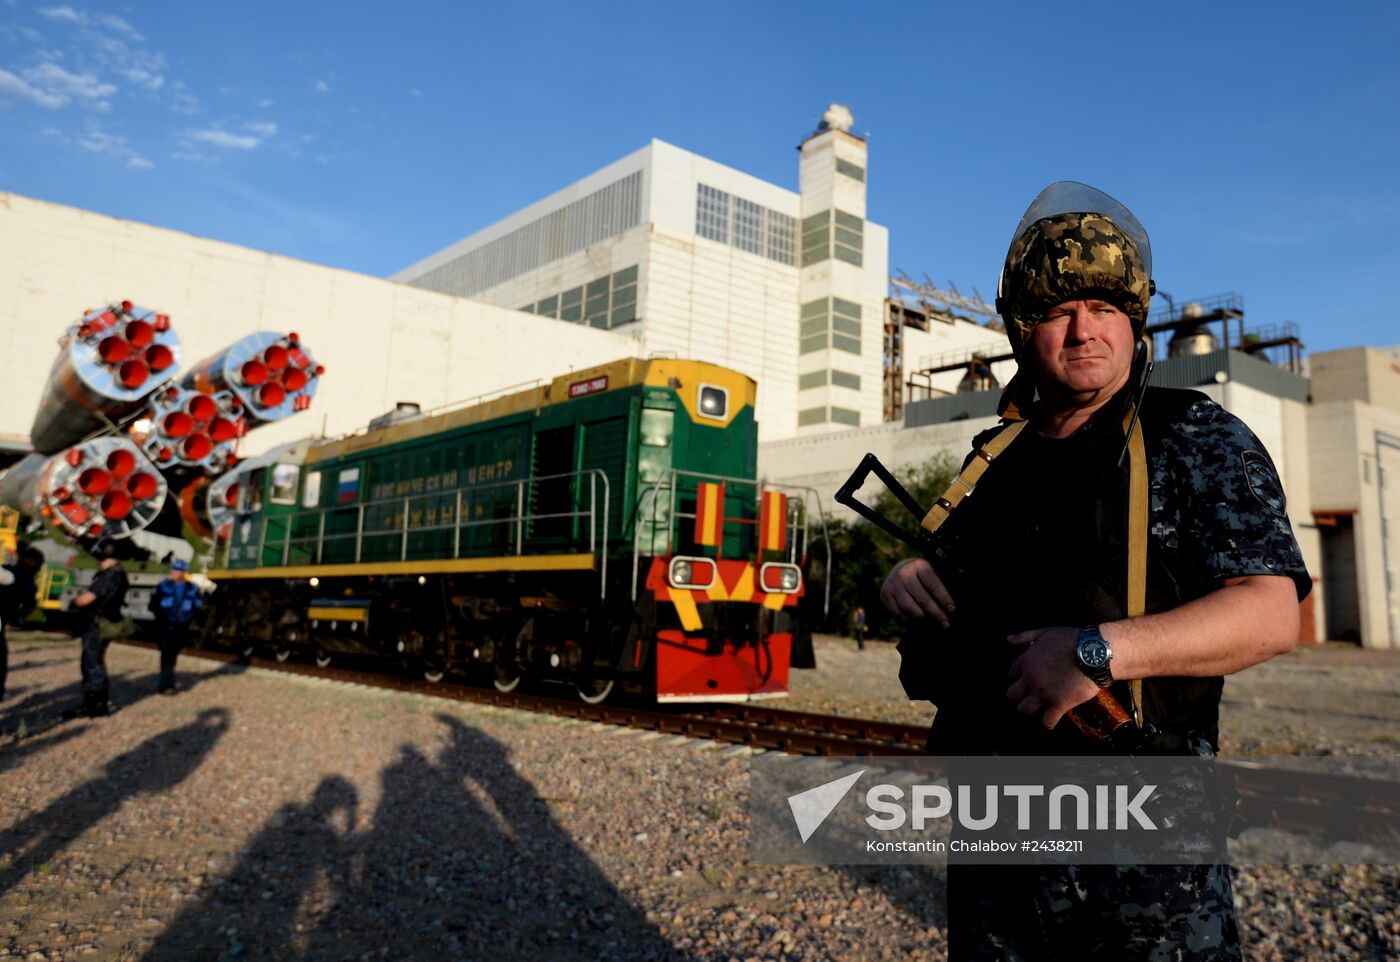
(182, 101)
(264, 129)
(59, 84)
(67, 14)
(115, 23)
(112, 146)
(265, 102)
(142, 77)
(222, 138)
(15, 88)
(322, 87)
(416, 92)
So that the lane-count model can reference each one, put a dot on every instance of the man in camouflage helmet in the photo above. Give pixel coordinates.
(1025, 612)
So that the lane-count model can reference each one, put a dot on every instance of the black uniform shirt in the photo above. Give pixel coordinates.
(1042, 542)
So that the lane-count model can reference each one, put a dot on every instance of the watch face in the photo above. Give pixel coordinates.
(1094, 653)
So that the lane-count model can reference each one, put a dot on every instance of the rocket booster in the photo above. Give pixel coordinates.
(271, 375)
(102, 486)
(107, 363)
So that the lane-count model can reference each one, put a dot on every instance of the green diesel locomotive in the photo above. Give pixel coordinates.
(606, 529)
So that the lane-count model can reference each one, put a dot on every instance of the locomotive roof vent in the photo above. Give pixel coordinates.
(403, 411)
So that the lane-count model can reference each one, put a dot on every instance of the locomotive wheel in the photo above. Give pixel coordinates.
(247, 650)
(507, 678)
(283, 654)
(594, 691)
(433, 676)
(323, 659)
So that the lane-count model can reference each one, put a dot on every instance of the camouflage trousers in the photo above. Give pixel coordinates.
(1124, 913)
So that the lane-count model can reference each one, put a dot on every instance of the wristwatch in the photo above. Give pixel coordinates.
(1094, 656)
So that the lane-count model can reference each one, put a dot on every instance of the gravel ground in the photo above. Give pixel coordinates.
(258, 817)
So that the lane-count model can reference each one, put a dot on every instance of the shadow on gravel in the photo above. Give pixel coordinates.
(41, 709)
(154, 766)
(463, 861)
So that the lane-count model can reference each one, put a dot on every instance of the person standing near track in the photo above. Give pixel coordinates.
(174, 603)
(1122, 539)
(18, 596)
(101, 604)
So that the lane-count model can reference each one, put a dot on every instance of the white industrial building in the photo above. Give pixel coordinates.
(667, 252)
(701, 260)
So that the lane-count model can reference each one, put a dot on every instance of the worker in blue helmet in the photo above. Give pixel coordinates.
(174, 603)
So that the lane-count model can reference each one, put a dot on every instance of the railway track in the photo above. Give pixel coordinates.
(760, 728)
(1366, 808)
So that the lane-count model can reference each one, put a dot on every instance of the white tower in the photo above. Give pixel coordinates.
(839, 351)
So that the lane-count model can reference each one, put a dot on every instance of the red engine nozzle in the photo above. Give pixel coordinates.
(121, 463)
(177, 424)
(202, 407)
(143, 486)
(95, 481)
(140, 333)
(253, 372)
(271, 394)
(133, 374)
(116, 505)
(159, 357)
(113, 349)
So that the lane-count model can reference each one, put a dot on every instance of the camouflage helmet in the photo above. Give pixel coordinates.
(1074, 241)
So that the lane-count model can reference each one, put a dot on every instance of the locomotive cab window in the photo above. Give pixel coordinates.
(657, 427)
(250, 494)
(285, 478)
(311, 492)
(714, 402)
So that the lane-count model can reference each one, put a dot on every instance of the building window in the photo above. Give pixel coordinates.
(833, 233)
(608, 211)
(608, 301)
(849, 238)
(853, 171)
(829, 322)
(843, 379)
(816, 238)
(810, 380)
(845, 416)
(744, 224)
(811, 416)
(712, 214)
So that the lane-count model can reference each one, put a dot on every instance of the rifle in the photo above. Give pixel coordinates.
(1102, 720)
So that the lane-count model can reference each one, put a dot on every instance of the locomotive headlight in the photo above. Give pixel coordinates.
(691, 573)
(780, 579)
(315, 582)
(714, 402)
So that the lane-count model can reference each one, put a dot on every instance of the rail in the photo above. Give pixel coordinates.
(797, 521)
(586, 524)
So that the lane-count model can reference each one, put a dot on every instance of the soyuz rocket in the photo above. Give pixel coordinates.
(117, 434)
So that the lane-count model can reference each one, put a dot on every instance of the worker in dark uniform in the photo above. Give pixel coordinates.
(174, 603)
(101, 604)
(1030, 606)
(18, 595)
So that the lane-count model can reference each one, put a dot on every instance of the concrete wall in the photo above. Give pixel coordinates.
(713, 302)
(381, 342)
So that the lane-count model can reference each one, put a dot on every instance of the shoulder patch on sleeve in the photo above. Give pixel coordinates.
(1264, 482)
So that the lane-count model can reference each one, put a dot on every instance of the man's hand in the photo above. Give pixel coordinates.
(913, 591)
(1045, 681)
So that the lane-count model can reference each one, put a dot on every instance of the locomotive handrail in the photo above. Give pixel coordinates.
(670, 478)
(403, 513)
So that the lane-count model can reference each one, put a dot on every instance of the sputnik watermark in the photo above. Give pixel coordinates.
(1099, 810)
(1112, 808)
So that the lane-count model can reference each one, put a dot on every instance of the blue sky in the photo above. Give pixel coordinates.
(1259, 144)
